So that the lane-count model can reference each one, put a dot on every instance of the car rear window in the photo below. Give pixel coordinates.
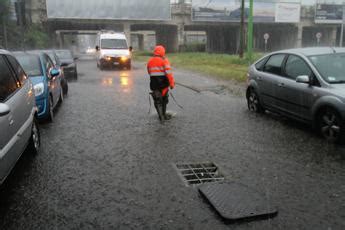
(64, 54)
(274, 64)
(31, 65)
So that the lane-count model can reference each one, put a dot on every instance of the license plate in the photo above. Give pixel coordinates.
(116, 63)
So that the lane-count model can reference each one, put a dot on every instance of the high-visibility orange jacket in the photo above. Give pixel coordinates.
(159, 66)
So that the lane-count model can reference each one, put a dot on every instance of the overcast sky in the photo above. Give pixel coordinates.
(304, 2)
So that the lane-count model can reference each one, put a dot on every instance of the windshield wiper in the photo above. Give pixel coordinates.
(338, 82)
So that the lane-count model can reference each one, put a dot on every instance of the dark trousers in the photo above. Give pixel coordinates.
(160, 100)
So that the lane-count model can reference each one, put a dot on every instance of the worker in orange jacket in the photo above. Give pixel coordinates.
(161, 78)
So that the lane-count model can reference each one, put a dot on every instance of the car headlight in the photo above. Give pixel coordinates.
(107, 58)
(39, 89)
(124, 58)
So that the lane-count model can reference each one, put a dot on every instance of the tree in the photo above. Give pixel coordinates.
(4, 13)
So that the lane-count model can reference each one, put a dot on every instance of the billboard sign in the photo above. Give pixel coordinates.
(288, 12)
(109, 9)
(329, 13)
(230, 10)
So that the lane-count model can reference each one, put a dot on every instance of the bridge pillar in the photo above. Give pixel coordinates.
(181, 37)
(141, 42)
(127, 31)
(59, 38)
(299, 38)
(222, 39)
(168, 37)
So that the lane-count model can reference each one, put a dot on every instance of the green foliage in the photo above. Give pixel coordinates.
(223, 66)
(36, 37)
(4, 10)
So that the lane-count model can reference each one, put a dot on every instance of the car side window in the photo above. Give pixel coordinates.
(296, 66)
(274, 64)
(260, 65)
(8, 84)
(18, 70)
(48, 64)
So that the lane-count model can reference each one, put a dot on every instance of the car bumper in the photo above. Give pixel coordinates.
(70, 72)
(42, 110)
(115, 61)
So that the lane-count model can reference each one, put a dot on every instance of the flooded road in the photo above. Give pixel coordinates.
(106, 163)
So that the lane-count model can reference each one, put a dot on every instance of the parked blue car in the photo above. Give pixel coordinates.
(46, 80)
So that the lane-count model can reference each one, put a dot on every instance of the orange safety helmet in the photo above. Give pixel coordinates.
(159, 51)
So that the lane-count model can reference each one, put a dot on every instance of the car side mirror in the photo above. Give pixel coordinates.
(303, 79)
(4, 109)
(130, 48)
(75, 58)
(97, 48)
(54, 72)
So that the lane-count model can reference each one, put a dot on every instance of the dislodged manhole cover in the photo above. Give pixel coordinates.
(200, 173)
(235, 201)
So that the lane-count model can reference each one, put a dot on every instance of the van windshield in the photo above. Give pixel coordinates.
(114, 44)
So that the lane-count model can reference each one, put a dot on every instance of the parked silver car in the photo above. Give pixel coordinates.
(306, 84)
(18, 127)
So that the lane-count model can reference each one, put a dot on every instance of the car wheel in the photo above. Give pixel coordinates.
(35, 139)
(65, 88)
(61, 96)
(331, 125)
(50, 117)
(253, 102)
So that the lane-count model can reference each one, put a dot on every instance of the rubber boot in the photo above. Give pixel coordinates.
(165, 102)
(158, 102)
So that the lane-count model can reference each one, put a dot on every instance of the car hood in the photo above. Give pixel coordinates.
(339, 89)
(36, 80)
(115, 52)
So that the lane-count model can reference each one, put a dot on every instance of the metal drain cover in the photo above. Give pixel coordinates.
(235, 201)
(199, 173)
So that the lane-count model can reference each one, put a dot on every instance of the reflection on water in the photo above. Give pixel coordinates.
(125, 82)
(107, 81)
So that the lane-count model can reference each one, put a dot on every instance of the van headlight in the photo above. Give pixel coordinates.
(107, 58)
(39, 89)
(124, 58)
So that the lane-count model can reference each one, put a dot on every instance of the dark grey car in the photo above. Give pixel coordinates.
(306, 84)
(68, 63)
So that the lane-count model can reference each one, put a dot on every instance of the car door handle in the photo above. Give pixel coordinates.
(11, 121)
(281, 84)
(259, 79)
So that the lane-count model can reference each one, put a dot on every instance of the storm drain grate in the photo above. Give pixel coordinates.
(200, 173)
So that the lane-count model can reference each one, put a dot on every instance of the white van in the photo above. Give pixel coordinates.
(112, 50)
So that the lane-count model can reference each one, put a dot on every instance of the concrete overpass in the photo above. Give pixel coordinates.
(221, 37)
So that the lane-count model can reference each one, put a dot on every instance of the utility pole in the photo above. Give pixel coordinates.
(242, 30)
(250, 31)
(342, 28)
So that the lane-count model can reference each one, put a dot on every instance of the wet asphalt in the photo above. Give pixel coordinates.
(105, 163)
